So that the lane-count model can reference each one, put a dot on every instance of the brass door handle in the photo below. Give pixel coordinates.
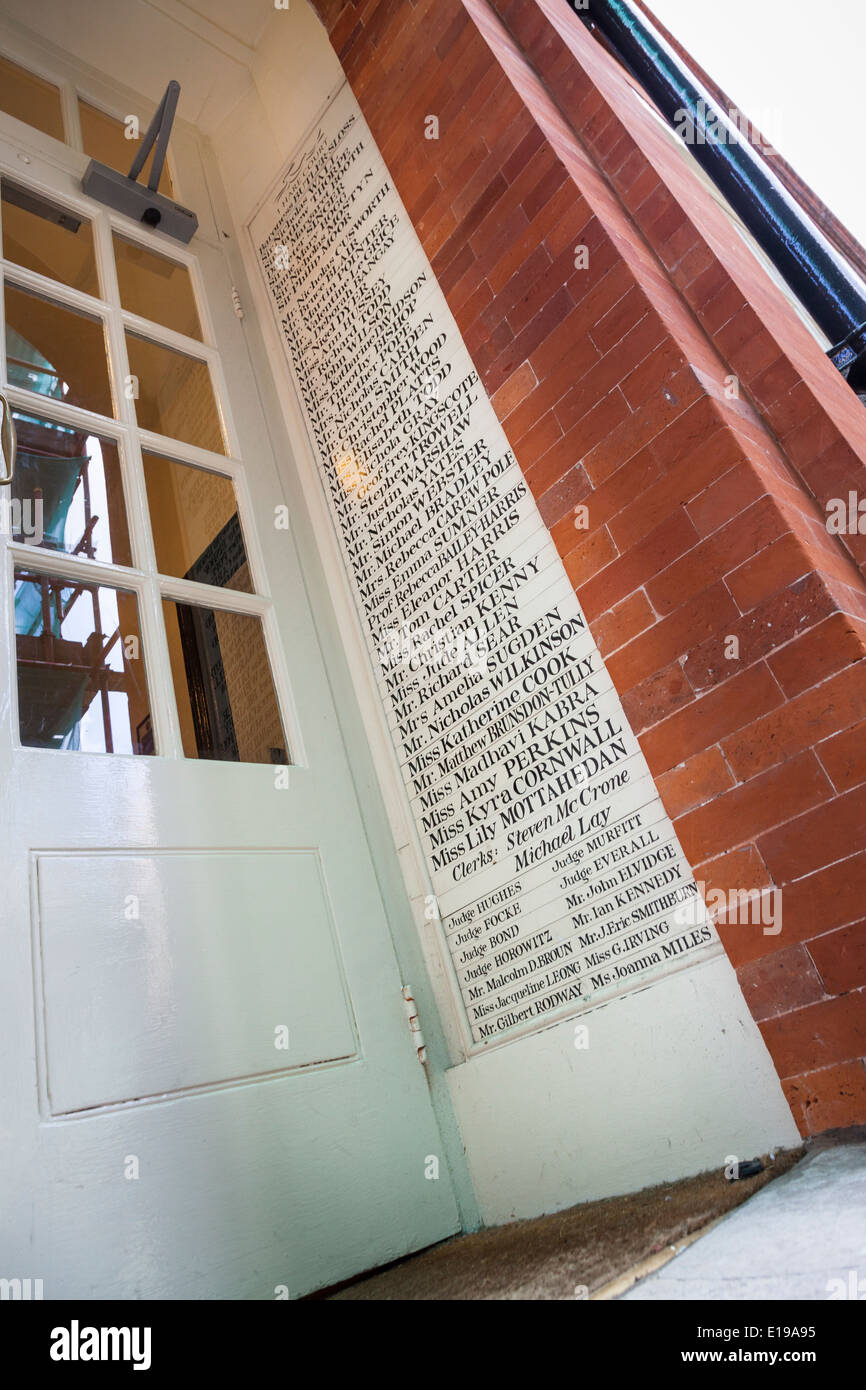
(8, 441)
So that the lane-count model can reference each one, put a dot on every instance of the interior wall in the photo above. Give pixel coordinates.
(667, 1082)
(675, 1078)
(294, 72)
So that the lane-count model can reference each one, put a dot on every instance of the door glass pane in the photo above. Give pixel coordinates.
(29, 98)
(195, 524)
(67, 492)
(81, 680)
(105, 139)
(43, 236)
(174, 394)
(55, 351)
(155, 287)
(222, 680)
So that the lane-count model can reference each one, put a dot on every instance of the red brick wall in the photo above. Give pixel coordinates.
(706, 512)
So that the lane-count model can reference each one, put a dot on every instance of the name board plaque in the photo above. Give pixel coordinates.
(557, 878)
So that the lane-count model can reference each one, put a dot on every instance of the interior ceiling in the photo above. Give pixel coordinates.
(243, 20)
(208, 45)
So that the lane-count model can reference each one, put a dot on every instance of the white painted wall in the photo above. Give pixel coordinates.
(675, 1079)
(294, 70)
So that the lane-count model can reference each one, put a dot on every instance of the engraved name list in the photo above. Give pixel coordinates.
(557, 877)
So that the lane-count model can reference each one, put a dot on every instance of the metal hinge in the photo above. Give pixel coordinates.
(414, 1024)
(8, 440)
(236, 303)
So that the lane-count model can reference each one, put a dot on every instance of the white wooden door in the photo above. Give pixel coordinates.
(208, 1085)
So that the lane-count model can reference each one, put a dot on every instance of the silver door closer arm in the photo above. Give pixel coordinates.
(159, 130)
(125, 194)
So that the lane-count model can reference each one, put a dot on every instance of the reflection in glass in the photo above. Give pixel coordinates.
(48, 238)
(31, 99)
(67, 492)
(175, 396)
(81, 681)
(195, 524)
(222, 680)
(105, 139)
(55, 351)
(155, 287)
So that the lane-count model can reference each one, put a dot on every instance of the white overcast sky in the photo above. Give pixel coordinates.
(801, 64)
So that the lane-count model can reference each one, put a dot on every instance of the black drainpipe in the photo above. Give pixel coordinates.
(824, 283)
